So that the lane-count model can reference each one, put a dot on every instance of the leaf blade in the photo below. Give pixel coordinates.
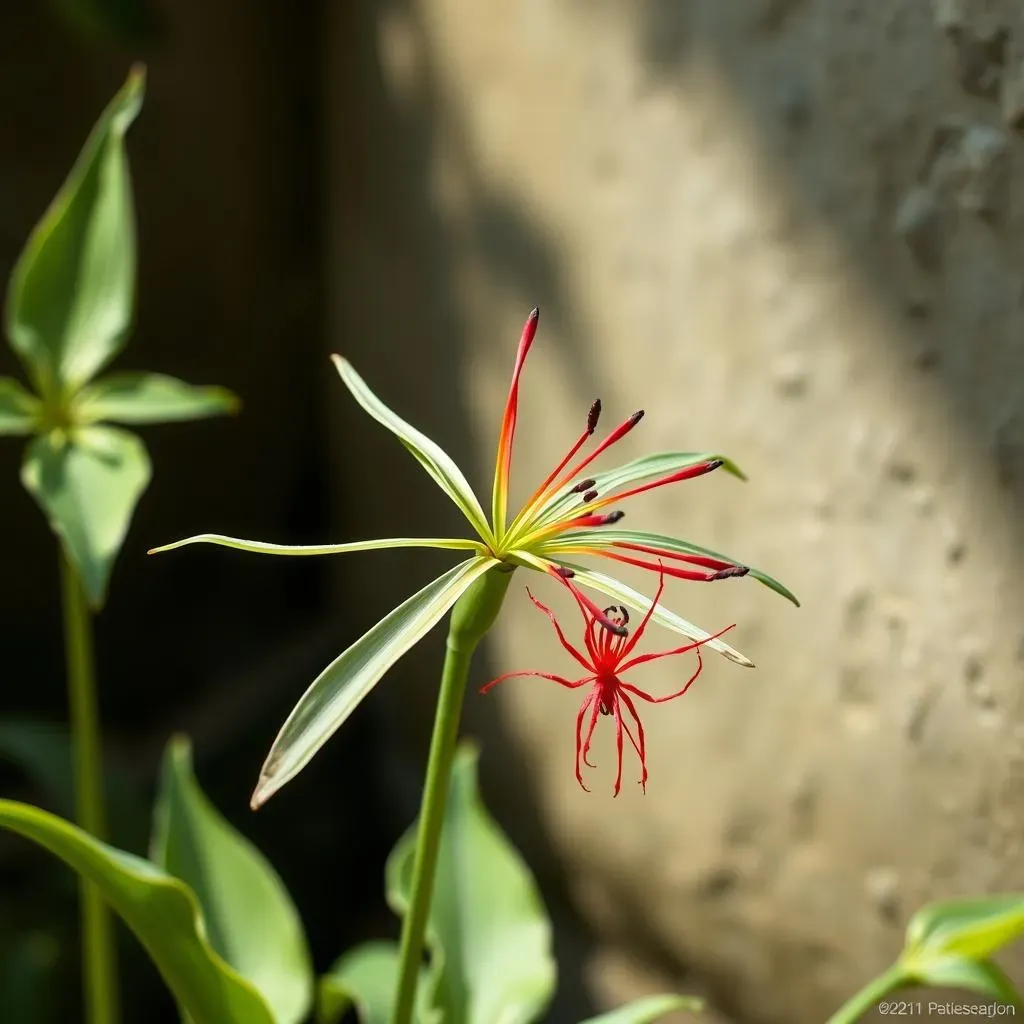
(88, 485)
(343, 684)
(71, 295)
(135, 398)
(434, 459)
(975, 928)
(161, 911)
(265, 548)
(250, 918)
(488, 928)
(20, 410)
(608, 537)
(367, 978)
(648, 1009)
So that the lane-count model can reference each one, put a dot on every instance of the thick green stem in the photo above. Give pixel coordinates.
(869, 996)
(472, 616)
(99, 967)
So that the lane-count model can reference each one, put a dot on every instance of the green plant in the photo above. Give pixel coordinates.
(69, 309)
(950, 945)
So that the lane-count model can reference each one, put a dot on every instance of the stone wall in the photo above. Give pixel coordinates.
(791, 231)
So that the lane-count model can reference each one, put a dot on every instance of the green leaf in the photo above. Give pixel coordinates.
(488, 930)
(340, 688)
(71, 294)
(649, 1009)
(149, 398)
(441, 467)
(88, 485)
(263, 548)
(972, 975)
(19, 409)
(250, 918)
(973, 928)
(162, 912)
(627, 595)
(609, 538)
(367, 978)
(631, 474)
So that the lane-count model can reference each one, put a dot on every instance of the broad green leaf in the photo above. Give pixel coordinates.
(149, 398)
(19, 409)
(262, 548)
(609, 538)
(634, 599)
(367, 978)
(632, 474)
(489, 932)
(88, 484)
(441, 467)
(162, 912)
(973, 928)
(250, 918)
(647, 1010)
(71, 295)
(339, 689)
(972, 975)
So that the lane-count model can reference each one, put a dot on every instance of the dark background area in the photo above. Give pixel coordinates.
(226, 165)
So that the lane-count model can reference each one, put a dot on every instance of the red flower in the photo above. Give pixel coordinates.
(608, 657)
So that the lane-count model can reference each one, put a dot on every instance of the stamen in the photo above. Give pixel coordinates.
(565, 572)
(616, 435)
(584, 485)
(605, 710)
(684, 474)
(581, 598)
(593, 416)
(734, 570)
(590, 495)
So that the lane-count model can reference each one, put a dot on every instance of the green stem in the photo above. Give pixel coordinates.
(99, 968)
(472, 616)
(869, 996)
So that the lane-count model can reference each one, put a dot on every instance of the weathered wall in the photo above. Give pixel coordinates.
(791, 231)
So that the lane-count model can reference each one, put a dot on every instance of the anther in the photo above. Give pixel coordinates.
(612, 517)
(625, 614)
(584, 485)
(604, 709)
(593, 416)
(590, 495)
(636, 418)
(733, 570)
(565, 572)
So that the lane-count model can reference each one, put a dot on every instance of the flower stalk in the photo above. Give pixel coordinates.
(99, 966)
(472, 616)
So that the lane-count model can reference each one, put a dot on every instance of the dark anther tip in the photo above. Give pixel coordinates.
(636, 417)
(625, 614)
(715, 463)
(593, 416)
(613, 517)
(583, 485)
(565, 572)
(590, 495)
(610, 611)
(733, 570)
(534, 313)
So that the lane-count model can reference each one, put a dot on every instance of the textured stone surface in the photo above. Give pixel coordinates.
(709, 202)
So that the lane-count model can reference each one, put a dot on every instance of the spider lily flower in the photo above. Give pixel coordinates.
(568, 516)
(608, 655)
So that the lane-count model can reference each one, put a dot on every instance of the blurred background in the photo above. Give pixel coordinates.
(789, 229)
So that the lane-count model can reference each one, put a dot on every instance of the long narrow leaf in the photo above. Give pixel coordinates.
(162, 912)
(339, 689)
(647, 467)
(149, 398)
(262, 548)
(607, 537)
(434, 459)
(627, 595)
